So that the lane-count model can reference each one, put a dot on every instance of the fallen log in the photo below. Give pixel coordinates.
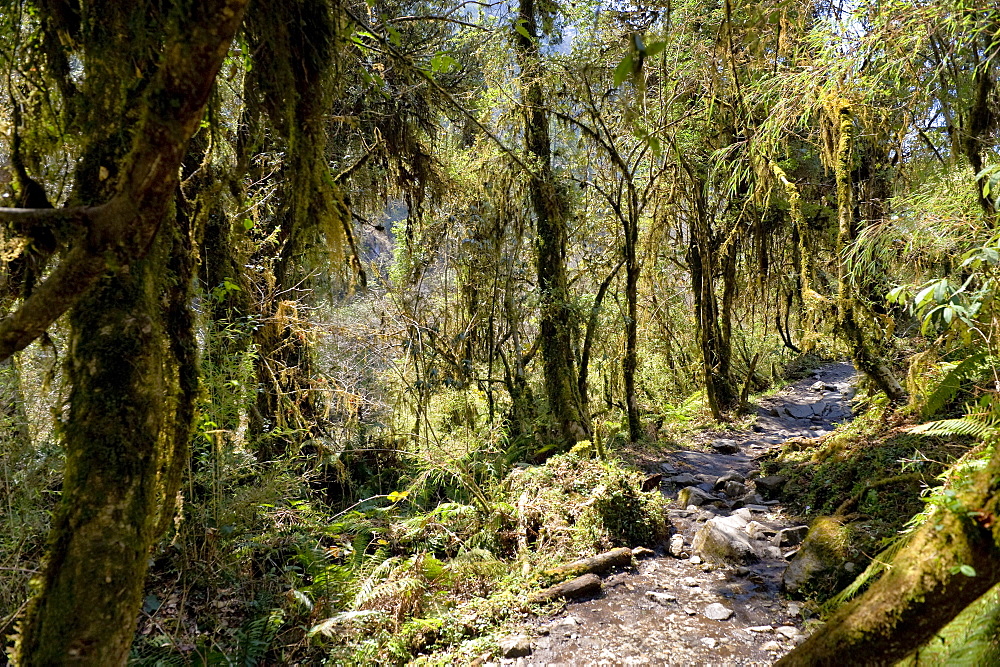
(620, 557)
(588, 584)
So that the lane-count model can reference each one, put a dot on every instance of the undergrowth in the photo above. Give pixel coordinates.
(289, 579)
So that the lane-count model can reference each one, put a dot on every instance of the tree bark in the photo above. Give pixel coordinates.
(923, 588)
(567, 423)
(131, 360)
(630, 360)
(864, 357)
(105, 524)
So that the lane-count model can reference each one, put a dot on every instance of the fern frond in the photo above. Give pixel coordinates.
(967, 369)
(962, 426)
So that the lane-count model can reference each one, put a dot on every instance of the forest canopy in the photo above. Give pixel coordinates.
(330, 327)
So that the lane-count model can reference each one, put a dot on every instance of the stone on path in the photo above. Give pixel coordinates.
(676, 547)
(642, 552)
(799, 411)
(789, 631)
(724, 539)
(731, 476)
(760, 628)
(661, 598)
(516, 646)
(726, 446)
(692, 495)
(683, 479)
(735, 489)
(770, 487)
(789, 537)
(717, 612)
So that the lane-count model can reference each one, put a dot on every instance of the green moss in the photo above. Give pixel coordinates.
(577, 506)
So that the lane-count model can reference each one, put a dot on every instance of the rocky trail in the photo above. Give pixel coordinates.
(714, 595)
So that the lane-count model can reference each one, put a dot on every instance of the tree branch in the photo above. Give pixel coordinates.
(122, 230)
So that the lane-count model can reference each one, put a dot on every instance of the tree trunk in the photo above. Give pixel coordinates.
(106, 523)
(567, 423)
(131, 358)
(923, 588)
(864, 357)
(630, 359)
(719, 386)
(583, 381)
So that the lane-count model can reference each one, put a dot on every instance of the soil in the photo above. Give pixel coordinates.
(660, 611)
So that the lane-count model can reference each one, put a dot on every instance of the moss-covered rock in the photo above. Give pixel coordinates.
(819, 564)
(576, 506)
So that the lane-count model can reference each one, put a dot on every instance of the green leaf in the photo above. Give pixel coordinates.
(247, 224)
(898, 295)
(623, 70)
(151, 604)
(654, 48)
(521, 30)
(967, 570)
(442, 62)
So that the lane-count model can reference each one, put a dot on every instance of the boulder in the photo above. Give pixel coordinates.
(817, 563)
(770, 487)
(726, 446)
(730, 476)
(789, 537)
(735, 489)
(724, 539)
(692, 495)
(516, 646)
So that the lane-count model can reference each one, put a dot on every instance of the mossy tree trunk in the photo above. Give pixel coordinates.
(294, 76)
(567, 423)
(923, 588)
(124, 277)
(630, 360)
(715, 352)
(854, 335)
(114, 439)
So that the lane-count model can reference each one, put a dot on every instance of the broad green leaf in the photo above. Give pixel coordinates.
(654, 48)
(623, 70)
(442, 62)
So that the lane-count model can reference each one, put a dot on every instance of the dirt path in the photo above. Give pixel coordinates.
(678, 610)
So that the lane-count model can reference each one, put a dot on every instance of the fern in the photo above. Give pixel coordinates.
(255, 638)
(970, 425)
(968, 369)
